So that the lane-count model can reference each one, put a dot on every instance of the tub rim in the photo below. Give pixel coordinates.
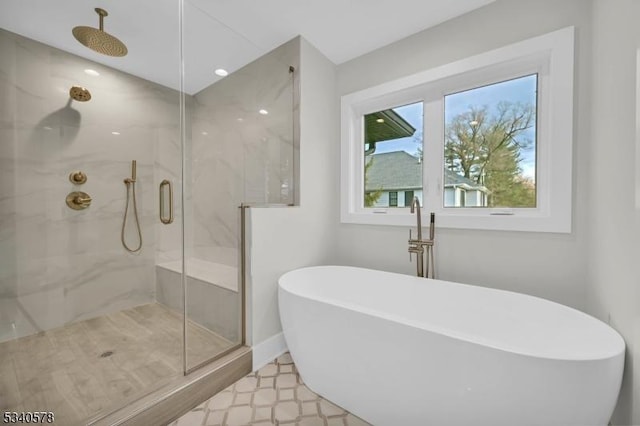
(452, 333)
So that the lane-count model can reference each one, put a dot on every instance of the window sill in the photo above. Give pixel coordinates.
(491, 220)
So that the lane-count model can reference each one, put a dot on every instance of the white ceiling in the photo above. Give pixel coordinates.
(224, 33)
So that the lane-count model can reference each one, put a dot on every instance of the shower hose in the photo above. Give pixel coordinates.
(131, 188)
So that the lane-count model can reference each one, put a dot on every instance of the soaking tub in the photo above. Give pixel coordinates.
(401, 350)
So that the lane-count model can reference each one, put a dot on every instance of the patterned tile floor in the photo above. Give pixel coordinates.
(274, 395)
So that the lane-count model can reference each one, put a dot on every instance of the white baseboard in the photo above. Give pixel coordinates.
(268, 350)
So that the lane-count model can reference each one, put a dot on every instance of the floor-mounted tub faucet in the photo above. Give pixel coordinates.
(418, 245)
(415, 246)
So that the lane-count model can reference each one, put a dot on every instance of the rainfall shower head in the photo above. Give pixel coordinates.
(98, 40)
(80, 94)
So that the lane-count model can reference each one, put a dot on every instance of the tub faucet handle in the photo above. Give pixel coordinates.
(78, 200)
(410, 251)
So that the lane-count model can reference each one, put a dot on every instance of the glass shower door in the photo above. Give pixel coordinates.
(82, 330)
(239, 150)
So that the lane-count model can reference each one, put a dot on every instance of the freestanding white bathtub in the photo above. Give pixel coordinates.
(399, 350)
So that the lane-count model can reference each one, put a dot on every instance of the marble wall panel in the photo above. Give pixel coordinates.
(211, 306)
(60, 265)
(31, 313)
(167, 166)
(240, 155)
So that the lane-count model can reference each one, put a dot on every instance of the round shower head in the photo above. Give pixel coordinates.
(80, 94)
(98, 40)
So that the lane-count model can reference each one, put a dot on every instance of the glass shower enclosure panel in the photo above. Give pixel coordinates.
(239, 150)
(269, 162)
(85, 137)
(121, 179)
(212, 278)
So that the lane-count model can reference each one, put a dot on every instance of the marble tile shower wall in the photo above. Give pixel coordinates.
(59, 265)
(239, 154)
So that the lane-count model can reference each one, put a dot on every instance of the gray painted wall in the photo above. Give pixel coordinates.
(592, 268)
(283, 239)
(542, 264)
(614, 212)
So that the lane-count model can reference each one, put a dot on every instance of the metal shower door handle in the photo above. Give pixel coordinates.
(163, 217)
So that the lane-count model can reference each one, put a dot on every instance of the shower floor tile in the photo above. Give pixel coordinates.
(273, 395)
(87, 367)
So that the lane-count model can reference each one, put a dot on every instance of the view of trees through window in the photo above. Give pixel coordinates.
(489, 149)
(490, 140)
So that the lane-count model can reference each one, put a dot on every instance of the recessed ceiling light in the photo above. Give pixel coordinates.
(380, 120)
(92, 72)
(221, 72)
(115, 133)
(205, 133)
(263, 112)
(239, 119)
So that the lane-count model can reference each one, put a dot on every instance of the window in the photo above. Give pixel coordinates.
(490, 143)
(393, 199)
(392, 154)
(408, 198)
(472, 140)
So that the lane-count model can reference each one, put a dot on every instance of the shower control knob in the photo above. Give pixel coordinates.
(78, 200)
(77, 177)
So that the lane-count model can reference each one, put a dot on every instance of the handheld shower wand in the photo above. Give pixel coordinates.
(133, 170)
(131, 187)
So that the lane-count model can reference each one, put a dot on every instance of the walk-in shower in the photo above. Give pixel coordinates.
(116, 296)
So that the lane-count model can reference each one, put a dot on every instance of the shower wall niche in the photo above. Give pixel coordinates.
(60, 265)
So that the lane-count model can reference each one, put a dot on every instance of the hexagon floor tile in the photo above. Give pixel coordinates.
(273, 395)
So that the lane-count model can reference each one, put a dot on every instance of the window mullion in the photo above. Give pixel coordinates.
(433, 155)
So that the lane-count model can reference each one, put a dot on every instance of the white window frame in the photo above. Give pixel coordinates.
(551, 56)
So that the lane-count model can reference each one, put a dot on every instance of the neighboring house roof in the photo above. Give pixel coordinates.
(452, 179)
(393, 170)
(400, 170)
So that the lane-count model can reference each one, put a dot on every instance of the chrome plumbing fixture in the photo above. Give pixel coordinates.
(415, 246)
(422, 247)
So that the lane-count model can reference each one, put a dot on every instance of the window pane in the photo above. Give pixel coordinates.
(490, 145)
(393, 156)
(408, 198)
(393, 199)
